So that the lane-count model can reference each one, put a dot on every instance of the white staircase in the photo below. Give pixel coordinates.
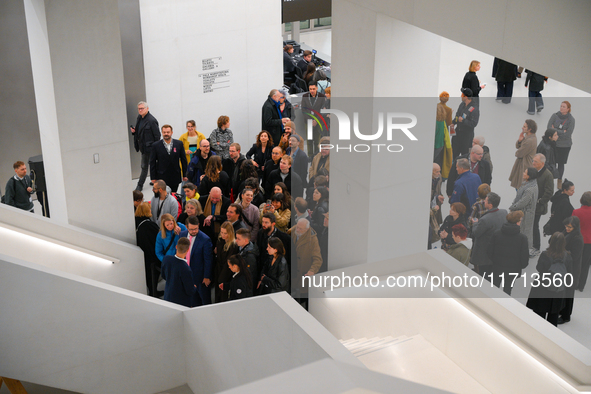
(415, 359)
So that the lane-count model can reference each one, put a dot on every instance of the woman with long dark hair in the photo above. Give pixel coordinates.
(275, 274)
(260, 152)
(280, 209)
(214, 176)
(574, 245)
(547, 298)
(241, 284)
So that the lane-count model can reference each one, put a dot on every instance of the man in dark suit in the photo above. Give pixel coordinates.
(215, 206)
(200, 259)
(312, 102)
(284, 174)
(180, 288)
(145, 133)
(168, 155)
(271, 119)
(272, 164)
(477, 166)
(299, 157)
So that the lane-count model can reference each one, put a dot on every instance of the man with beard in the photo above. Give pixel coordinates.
(165, 158)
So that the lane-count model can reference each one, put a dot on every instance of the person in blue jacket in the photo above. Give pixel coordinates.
(466, 185)
(179, 279)
(200, 260)
(167, 239)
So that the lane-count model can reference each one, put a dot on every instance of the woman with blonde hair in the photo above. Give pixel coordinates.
(192, 208)
(225, 247)
(167, 239)
(471, 80)
(214, 176)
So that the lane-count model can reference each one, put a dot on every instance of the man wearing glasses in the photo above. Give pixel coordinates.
(145, 133)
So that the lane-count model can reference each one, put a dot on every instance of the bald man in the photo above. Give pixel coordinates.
(477, 166)
(479, 140)
(215, 206)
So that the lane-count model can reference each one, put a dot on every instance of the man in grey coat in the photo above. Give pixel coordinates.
(545, 192)
(163, 202)
(482, 231)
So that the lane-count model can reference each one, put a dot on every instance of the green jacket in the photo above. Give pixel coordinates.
(545, 190)
(460, 252)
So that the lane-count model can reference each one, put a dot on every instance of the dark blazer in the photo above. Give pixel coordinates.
(303, 65)
(179, 281)
(144, 137)
(471, 82)
(201, 257)
(166, 166)
(561, 209)
(271, 119)
(293, 182)
(300, 163)
(508, 249)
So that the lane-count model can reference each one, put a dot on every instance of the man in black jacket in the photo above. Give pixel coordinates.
(168, 160)
(145, 133)
(272, 120)
(249, 252)
(477, 166)
(272, 164)
(232, 167)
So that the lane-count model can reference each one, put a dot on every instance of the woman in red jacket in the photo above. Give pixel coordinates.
(584, 215)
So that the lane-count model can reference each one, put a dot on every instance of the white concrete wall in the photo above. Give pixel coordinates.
(177, 36)
(235, 343)
(520, 31)
(80, 93)
(128, 273)
(64, 331)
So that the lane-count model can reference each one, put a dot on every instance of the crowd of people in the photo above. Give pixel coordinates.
(499, 243)
(222, 225)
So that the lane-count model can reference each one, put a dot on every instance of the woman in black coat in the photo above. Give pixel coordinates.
(275, 274)
(561, 208)
(547, 147)
(456, 216)
(146, 232)
(508, 251)
(574, 245)
(240, 285)
(260, 152)
(471, 79)
(320, 197)
(545, 299)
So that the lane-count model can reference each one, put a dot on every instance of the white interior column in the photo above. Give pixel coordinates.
(78, 77)
(375, 211)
